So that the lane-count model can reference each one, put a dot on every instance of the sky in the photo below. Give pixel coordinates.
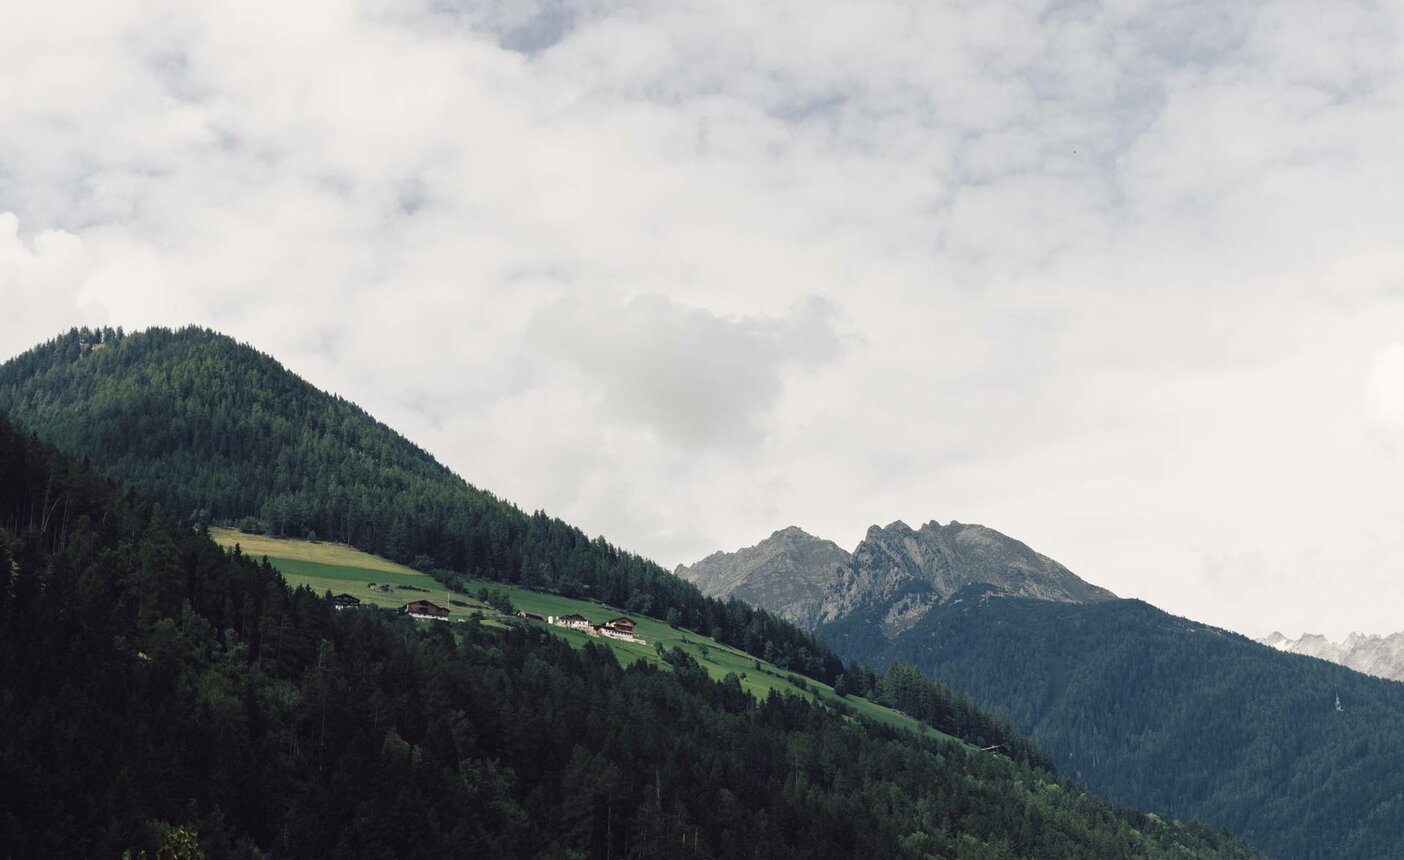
(1124, 280)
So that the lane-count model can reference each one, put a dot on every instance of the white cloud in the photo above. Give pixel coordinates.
(40, 280)
(1384, 388)
(1103, 276)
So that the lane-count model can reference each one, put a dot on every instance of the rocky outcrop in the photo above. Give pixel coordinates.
(790, 573)
(1381, 656)
(896, 571)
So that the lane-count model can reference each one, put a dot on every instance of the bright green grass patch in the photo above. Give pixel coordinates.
(339, 568)
(257, 546)
(354, 576)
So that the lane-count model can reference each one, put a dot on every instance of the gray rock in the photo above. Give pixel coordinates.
(789, 573)
(899, 571)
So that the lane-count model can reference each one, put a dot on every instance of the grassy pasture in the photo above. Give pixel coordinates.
(337, 568)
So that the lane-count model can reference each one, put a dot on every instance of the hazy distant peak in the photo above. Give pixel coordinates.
(1371, 653)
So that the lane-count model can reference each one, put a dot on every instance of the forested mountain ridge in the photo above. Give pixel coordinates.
(218, 432)
(161, 697)
(1161, 712)
(193, 418)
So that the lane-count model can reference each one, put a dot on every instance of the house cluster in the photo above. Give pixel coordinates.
(616, 628)
(424, 610)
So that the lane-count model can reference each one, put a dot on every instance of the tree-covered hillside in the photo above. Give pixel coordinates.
(211, 427)
(1159, 712)
(162, 698)
(218, 432)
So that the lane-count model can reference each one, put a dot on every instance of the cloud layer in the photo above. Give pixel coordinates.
(1121, 279)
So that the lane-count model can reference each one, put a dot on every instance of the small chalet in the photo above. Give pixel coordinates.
(621, 625)
(529, 616)
(345, 601)
(573, 621)
(425, 611)
(619, 628)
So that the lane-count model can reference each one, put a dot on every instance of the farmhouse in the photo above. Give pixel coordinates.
(620, 628)
(425, 611)
(573, 621)
(345, 601)
(621, 624)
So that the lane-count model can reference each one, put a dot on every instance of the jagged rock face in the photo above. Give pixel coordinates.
(1381, 656)
(899, 571)
(789, 573)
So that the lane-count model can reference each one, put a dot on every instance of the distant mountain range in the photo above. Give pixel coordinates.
(1381, 656)
(896, 572)
(1148, 709)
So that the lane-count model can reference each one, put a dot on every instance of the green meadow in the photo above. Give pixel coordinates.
(339, 568)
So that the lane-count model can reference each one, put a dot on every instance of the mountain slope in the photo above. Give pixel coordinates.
(216, 431)
(1381, 656)
(898, 569)
(1163, 713)
(1151, 710)
(161, 697)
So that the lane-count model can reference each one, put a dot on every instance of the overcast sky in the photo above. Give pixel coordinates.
(1123, 280)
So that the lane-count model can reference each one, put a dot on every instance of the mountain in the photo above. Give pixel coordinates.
(161, 698)
(1381, 656)
(193, 418)
(219, 433)
(790, 573)
(900, 570)
(1145, 708)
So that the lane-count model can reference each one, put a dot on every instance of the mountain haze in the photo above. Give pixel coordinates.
(900, 570)
(1381, 656)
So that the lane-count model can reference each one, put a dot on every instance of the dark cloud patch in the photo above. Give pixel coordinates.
(695, 377)
(525, 26)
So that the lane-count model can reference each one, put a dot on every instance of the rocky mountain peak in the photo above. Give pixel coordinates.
(789, 573)
(897, 571)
